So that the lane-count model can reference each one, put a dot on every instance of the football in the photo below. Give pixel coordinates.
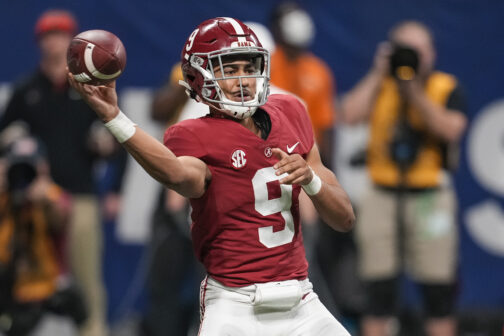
(96, 57)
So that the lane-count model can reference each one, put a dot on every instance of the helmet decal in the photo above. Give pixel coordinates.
(191, 41)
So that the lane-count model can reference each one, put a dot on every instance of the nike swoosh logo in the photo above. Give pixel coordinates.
(291, 149)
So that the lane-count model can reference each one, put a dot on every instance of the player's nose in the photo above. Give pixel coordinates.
(245, 81)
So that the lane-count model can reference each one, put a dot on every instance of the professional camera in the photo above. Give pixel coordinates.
(22, 159)
(403, 62)
(20, 175)
(406, 141)
(23, 156)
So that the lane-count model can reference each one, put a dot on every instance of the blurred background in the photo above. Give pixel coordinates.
(469, 38)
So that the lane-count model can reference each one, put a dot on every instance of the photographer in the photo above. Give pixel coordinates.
(408, 218)
(33, 213)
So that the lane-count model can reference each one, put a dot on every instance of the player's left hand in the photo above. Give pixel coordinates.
(294, 165)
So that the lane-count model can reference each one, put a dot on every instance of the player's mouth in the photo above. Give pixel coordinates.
(246, 94)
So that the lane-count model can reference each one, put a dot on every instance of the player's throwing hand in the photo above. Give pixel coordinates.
(102, 99)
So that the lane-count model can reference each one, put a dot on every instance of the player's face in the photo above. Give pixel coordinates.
(231, 87)
(54, 44)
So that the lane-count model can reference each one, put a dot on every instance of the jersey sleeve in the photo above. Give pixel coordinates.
(183, 142)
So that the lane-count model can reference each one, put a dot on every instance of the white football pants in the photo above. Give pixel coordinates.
(229, 311)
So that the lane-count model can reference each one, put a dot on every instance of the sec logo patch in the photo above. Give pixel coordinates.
(238, 159)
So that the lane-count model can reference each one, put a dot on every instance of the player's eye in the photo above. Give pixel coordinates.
(251, 70)
(228, 71)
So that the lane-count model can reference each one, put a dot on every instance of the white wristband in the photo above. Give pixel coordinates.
(314, 186)
(121, 127)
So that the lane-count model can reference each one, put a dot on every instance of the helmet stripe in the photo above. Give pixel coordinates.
(237, 27)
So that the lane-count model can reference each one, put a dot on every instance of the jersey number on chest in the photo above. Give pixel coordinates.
(266, 207)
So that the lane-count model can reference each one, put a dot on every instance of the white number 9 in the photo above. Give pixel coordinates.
(266, 207)
(191, 39)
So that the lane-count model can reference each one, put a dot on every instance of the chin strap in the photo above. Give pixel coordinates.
(189, 91)
(225, 112)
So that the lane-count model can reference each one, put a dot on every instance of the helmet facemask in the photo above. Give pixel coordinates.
(208, 64)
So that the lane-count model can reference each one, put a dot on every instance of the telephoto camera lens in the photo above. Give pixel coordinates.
(403, 63)
(20, 176)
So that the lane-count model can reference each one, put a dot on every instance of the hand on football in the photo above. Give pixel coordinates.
(102, 99)
(294, 165)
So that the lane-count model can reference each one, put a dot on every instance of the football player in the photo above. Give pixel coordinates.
(243, 167)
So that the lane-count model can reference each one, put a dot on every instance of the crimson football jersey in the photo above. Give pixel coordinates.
(246, 228)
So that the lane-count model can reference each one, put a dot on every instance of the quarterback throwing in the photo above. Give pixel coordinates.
(243, 167)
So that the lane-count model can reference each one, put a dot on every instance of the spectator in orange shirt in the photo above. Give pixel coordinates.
(298, 71)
